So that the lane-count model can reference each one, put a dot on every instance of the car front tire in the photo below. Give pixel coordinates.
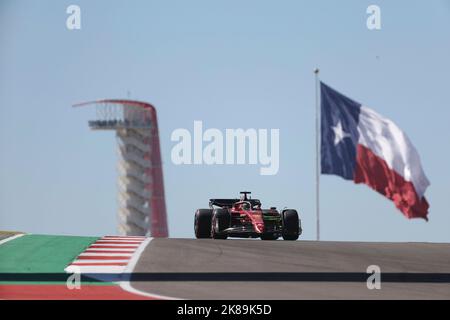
(291, 226)
(220, 221)
(202, 223)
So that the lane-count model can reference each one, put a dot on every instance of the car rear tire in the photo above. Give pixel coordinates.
(291, 226)
(220, 222)
(202, 223)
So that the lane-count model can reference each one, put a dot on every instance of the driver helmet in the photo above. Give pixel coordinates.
(246, 206)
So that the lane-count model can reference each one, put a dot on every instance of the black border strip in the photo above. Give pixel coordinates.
(396, 277)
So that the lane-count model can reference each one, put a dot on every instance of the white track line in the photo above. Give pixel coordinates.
(11, 238)
(94, 269)
(126, 285)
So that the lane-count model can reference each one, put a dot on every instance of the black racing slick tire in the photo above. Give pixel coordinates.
(291, 225)
(220, 222)
(202, 223)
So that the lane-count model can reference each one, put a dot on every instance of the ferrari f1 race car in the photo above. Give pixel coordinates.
(244, 218)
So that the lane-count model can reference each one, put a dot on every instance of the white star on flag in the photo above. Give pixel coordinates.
(339, 133)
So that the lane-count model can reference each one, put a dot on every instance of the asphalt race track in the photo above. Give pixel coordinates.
(255, 269)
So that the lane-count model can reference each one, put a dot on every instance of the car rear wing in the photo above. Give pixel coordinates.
(228, 203)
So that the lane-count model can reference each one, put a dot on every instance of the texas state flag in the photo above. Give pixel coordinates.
(359, 144)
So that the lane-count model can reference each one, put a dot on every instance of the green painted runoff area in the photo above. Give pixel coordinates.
(41, 254)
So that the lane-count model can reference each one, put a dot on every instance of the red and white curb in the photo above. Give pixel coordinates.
(109, 254)
(114, 254)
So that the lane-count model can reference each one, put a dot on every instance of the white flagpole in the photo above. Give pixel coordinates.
(316, 72)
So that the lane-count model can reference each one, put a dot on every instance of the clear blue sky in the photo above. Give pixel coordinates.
(230, 64)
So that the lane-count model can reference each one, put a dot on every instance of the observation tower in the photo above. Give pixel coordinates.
(142, 207)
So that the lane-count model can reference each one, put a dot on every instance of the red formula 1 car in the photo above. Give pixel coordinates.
(244, 218)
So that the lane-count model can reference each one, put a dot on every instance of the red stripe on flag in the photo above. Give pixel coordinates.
(374, 171)
(103, 258)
